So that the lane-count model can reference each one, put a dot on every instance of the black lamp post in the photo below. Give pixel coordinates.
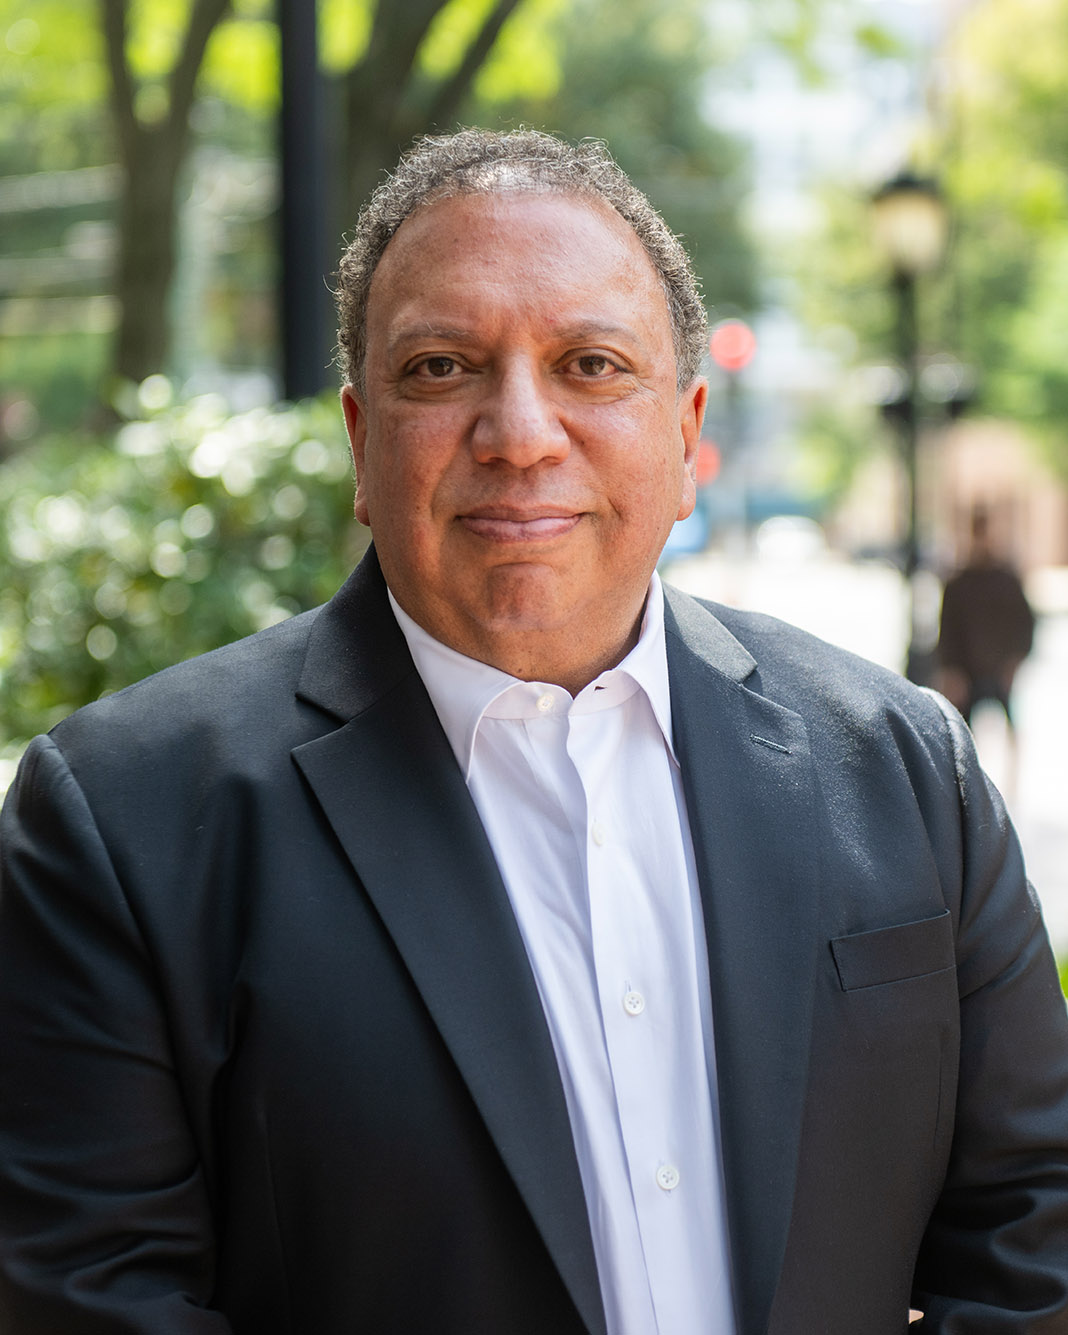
(911, 225)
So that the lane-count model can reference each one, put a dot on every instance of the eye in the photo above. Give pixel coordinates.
(437, 368)
(593, 366)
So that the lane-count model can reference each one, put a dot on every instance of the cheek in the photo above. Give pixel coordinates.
(653, 470)
(398, 466)
(411, 492)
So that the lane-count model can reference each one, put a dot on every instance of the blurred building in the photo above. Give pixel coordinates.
(991, 465)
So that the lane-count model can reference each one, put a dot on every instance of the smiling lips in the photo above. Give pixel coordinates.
(505, 525)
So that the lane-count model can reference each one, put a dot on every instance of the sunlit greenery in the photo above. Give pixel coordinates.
(188, 528)
(1006, 149)
(525, 60)
(998, 143)
(640, 82)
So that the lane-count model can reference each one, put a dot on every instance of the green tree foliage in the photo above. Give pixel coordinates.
(999, 144)
(151, 121)
(52, 113)
(1006, 146)
(408, 67)
(638, 81)
(96, 120)
(188, 528)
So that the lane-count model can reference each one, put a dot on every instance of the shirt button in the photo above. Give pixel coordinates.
(597, 832)
(667, 1177)
(545, 703)
(634, 1003)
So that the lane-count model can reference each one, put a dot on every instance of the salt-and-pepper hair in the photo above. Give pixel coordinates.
(489, 162)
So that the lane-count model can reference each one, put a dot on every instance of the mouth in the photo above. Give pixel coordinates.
(502, 524)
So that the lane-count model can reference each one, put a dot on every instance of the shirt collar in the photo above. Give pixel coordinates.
(463, 690)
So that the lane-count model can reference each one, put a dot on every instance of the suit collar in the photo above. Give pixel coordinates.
(692, 626)
(355, 652)
(464, 691)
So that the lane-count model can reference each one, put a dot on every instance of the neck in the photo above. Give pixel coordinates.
(570, 656)
(532, 659)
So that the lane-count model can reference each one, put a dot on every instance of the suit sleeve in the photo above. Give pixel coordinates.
(995, 1255)
(104, 1221)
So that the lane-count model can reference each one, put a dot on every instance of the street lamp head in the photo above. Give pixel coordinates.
(911, 223)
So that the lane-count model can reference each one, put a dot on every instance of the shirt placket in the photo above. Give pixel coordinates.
(626, 951)
(643, 1001)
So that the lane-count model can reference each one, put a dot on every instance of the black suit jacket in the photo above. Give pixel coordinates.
(272, 1060)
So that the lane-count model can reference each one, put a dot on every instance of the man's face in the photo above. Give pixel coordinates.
(521, 449)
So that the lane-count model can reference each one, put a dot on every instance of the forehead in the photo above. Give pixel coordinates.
(529, 249)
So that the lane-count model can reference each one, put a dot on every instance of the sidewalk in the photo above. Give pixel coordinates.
(1038, 799)
(862, 608)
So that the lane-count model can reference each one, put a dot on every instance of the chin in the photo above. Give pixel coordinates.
(525, 597)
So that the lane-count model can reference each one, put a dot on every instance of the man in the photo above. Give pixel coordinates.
(986, 627)
(513, 944)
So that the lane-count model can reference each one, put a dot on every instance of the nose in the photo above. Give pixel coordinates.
(518, 422)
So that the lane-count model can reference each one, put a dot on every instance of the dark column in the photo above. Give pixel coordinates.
(919, 662)
(306, 318)
(908, 414)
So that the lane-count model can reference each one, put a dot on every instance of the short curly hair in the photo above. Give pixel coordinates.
(525, 162)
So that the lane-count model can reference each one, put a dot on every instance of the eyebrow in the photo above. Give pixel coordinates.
(584, 331)
(416, 333)
(593, 329)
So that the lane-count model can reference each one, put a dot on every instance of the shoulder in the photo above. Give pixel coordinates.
(216, 701)
(859, 716)
(789, 664)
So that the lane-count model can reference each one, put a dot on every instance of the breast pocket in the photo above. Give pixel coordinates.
(885, 1054)
(894, 954)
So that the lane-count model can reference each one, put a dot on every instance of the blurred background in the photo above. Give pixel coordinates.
(876, 196)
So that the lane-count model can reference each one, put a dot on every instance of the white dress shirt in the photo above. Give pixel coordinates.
(582, 802)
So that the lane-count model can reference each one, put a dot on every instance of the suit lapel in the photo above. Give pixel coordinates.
(750, 797)
(390, 787)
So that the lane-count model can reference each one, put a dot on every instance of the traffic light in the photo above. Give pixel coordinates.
(732, 345)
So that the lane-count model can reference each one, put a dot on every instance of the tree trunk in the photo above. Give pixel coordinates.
(373, 94)
(449, 97)
(152, 157)
(146, 259)
(382, 113)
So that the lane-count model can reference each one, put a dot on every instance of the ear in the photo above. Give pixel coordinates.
(691, 409)
(356, 426)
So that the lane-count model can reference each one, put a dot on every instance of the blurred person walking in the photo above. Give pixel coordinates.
(987, 626)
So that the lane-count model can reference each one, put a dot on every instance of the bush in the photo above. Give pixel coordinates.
(178, 532)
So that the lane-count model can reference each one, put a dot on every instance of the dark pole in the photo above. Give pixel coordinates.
(905, 289)
(916, 664)
(305, 301)
(910, 223)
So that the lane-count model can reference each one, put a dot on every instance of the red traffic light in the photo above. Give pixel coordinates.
(708, 462)
(732, 344)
